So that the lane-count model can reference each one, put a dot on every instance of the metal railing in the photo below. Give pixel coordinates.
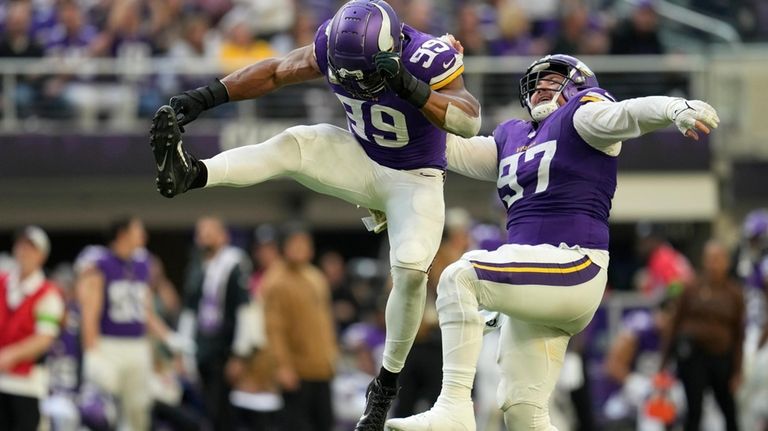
(143, 81)
(731, 79)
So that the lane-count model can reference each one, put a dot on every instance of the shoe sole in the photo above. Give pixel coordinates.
(165, 137)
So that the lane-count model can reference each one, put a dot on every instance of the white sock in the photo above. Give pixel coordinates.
(405, 308)
(462, 331)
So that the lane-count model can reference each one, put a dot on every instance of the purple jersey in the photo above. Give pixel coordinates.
(126, 286)
(758, 275)
(393, 132)
(556, 187)
(63, 358)
(641, 323)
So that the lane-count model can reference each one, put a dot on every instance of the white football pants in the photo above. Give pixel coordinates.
(548, 294)
(329, 160)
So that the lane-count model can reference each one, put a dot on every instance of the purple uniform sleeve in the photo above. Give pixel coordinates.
(430, 59)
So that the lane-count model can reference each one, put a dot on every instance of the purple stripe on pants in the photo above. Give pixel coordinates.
(561, 277)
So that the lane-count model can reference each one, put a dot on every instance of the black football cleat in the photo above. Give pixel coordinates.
(378, 399)
(176, 168)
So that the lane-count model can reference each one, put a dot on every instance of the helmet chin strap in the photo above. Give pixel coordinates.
(544, 110)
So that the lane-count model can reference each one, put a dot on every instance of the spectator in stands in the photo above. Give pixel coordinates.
(215, 294)
(17, 42)
(514, 33)
(301, 334)
(639, 34)
(70, 40)
(468, 30)
(266, 18)
(31, 311)
(123, 37)
(574, 24)
(420, 14)
(198, 43)
(346, 309)
(197, 39)
(302, 34)
(72, 36)
(707, 336)
(240, 47)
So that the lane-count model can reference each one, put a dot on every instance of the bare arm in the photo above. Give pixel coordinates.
(90, 294)
(155, 325)
(268, 75)
(28, 349)
(681, 309)
(49, 313)
(618, 362)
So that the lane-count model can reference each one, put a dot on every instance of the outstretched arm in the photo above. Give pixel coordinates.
(249, 82)
(603, 124)
(270, 74)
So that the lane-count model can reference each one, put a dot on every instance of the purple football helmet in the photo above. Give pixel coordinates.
(756, 224)
(97, 408)
(358, 31)
(577, 77)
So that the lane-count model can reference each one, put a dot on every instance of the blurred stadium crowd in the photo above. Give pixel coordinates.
(228, 34)
(315, 320)
(278, 337)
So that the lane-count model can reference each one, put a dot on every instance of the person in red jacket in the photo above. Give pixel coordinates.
(31, 311)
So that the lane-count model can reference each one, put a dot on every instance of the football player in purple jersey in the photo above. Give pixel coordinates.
(402, 91)
(116, 316)
(556, 176)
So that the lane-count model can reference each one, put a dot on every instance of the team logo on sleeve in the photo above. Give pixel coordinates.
(594, 96)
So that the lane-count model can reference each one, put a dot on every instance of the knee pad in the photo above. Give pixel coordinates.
(525, 416)
(412, 254)
(456, 295)
(456, 280)
(308, 133)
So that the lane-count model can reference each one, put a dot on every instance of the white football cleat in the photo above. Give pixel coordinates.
(457, 418)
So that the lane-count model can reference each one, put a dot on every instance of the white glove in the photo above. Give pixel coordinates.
(685, 113)
(178, 343)
(98, 370)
